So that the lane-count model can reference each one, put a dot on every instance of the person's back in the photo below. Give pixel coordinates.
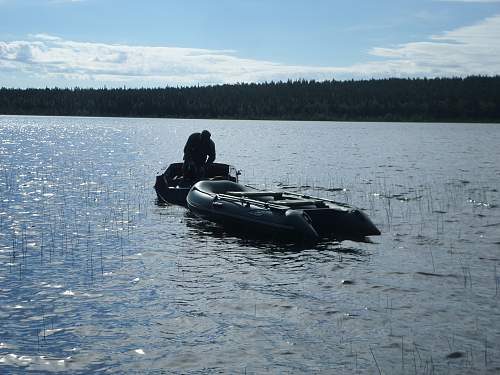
(198, 147)
(192, 146)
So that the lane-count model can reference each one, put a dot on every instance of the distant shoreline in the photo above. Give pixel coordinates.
(440, 100)
(263, 119)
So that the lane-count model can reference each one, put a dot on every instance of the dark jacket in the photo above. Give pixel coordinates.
(198, 149)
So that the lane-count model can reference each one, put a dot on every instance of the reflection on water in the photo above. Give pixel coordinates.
(96, 278)
(251, 238)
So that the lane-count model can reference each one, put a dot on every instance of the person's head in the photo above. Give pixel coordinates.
(205, 135)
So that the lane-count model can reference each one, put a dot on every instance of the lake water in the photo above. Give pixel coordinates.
(96, 278)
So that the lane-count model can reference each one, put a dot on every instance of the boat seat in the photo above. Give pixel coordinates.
(254, 194)
(299, 202)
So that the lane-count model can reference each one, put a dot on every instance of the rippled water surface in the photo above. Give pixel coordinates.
(96, 278)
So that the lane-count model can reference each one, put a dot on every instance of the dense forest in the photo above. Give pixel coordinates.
(472, 99)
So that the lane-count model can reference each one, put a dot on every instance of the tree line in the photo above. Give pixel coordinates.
(471, 99)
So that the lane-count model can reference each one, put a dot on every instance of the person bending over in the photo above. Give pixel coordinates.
(199, 153)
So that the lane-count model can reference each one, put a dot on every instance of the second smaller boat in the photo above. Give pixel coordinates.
(172, 187)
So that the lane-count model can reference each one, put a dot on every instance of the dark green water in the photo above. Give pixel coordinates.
(96, 278)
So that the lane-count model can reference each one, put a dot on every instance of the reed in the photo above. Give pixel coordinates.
(497, 280)
(375, 360)
(432, 258)
(486, 351)
(402, 355)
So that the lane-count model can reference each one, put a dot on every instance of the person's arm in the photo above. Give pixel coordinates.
(211, 152)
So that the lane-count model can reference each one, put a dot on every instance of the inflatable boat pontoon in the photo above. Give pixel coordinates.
(283, 213)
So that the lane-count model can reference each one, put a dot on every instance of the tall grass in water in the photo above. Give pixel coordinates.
(50, 213)
(433, 221)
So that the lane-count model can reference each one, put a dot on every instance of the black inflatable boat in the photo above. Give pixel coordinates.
(171, 187)
(283, 213)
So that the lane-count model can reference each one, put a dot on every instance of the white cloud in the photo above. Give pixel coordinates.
(45, 55)
(43, 36)
(47, 59)
(468, 50)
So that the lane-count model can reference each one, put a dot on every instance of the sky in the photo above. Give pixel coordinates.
(157, 43)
